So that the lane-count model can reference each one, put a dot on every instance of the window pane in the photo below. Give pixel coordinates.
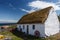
(19, 26)
(23, 27)
(33, 26)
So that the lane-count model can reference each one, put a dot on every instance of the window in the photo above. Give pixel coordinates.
(33, 26)
(23, 27)
(27, 29)
(19, 26)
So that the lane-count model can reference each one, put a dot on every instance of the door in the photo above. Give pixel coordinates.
(27, 29)
(20, 29)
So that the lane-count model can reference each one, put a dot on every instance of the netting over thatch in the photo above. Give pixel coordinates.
(35, 17)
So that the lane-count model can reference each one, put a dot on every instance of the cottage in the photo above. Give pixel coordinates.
(40, 23)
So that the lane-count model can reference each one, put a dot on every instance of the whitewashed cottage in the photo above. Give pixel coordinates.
(40, 23)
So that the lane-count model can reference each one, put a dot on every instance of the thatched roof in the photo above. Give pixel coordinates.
(35, 17)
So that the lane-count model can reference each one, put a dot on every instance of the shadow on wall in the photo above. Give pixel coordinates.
(59, 27)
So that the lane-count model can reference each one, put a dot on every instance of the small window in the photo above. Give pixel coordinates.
(19, 26)
(23, 27)
(33, 26)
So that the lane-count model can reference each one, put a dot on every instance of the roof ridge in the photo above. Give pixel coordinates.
(42, 9)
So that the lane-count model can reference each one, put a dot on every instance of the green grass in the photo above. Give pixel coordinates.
(11, 35)
(12, 26)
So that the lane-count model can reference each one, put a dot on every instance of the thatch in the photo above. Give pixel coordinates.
(36, 17)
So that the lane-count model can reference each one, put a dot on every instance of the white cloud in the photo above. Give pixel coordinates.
(28, 11)
(37, 4)
(25, 10)
(11, 5)
(8, 21)
(58, 3)
(42, 4)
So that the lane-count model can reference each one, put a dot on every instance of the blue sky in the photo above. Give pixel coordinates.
(13, 10)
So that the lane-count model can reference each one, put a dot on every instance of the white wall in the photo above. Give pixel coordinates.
(52, 23)
(39, 27)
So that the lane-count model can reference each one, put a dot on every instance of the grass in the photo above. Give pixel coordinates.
(9, 34)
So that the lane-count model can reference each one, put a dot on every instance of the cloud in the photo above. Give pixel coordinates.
(8, 21)
(11, 5)
(24, 10)
(28, 11)
(58, 3)
(37, 4)
(42, 4)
